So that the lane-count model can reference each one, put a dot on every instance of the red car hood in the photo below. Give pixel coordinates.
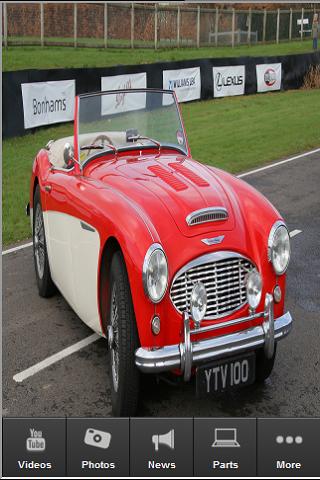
(179, 183)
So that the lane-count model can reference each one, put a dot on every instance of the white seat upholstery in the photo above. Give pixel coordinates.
(57, 147)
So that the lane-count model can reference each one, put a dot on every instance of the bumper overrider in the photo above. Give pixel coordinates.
(188, 354)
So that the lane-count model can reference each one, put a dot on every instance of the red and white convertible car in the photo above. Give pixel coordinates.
(181, 266)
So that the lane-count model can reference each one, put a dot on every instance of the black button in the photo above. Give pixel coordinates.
(98, 447)
(34, 447)
(161, 447)
(288, 447)
(224, 447)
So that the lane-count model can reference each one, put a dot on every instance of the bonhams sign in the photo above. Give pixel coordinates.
(185, 82)
(47, 102)
(268, 77)
(228, 81)
(122, 102)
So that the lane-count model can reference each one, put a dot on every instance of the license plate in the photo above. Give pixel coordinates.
(226, 374)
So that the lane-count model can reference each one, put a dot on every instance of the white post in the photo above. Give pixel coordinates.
(290, 25)
(249, 26)
(132, 25)
(178, 26)
(75, 24)
(5, 25)
(233, 25)
(41, 24)
(198, 27)
(155, 26)
(302, 14)
(264, 26)
(216, 26)
(105, 30)
(278, 25)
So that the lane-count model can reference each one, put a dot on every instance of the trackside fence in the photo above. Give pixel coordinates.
(132, 25)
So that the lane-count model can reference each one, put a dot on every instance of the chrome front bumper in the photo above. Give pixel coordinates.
(188, 354)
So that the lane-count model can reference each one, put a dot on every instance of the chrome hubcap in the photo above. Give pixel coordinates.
(113, 338)
(38, 241)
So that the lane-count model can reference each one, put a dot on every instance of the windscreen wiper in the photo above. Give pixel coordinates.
(134, 138)
(99, 147)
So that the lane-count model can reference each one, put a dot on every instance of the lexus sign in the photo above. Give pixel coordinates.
(228, 81)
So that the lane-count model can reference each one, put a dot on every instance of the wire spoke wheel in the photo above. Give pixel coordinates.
(46, 286)
(114, 321)
(38, 241)
(122, 340)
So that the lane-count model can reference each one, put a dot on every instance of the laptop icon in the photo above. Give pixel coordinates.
(225, 437)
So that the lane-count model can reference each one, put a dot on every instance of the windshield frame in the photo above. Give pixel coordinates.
(95, 155)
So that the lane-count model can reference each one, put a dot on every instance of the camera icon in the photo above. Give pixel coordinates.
(97, 438)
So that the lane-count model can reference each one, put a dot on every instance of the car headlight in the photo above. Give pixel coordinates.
(198, 302)
(279, 247)
(155, 273)
(254, 288)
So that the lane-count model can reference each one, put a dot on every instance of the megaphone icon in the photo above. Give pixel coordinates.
(165, 439)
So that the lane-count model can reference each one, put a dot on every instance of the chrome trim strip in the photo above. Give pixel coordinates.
(186, 349)
(61, 169)
(268, 326)
(85, 226)
(216, 326)
(169, 357)
(206, 211)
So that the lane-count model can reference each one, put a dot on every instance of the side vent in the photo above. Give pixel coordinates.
(206, 215)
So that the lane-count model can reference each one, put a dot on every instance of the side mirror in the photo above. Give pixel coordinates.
(68, 155)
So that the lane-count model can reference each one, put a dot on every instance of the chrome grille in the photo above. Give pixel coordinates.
(222, 273)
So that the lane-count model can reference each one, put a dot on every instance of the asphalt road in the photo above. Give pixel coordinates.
(35, 328)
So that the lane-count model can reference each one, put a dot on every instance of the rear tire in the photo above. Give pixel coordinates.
(46, 286)
(264, 365)
(123, 342)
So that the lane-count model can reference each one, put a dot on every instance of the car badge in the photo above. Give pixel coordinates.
(213, 241)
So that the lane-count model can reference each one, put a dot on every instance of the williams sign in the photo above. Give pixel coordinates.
(185, 82)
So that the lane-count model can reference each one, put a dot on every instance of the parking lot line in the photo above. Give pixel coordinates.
(29, 372)
(287, 160)
(14, 249)
(293, 233)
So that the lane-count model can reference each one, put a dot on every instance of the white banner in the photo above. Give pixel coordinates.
(268, 77)
(48, 102)
(186, 83)
(120, 102)
(228, 81)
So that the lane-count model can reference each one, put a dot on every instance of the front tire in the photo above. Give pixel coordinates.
(264, 365)
(123, 342)
(45, 284)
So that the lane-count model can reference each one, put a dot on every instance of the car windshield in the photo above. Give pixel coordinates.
(125, 119)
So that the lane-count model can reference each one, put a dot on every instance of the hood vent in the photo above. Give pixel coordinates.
(205, 215)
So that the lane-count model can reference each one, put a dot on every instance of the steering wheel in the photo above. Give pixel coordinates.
(103, 139)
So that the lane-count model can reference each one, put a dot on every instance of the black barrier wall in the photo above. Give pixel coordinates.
(294, 67)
